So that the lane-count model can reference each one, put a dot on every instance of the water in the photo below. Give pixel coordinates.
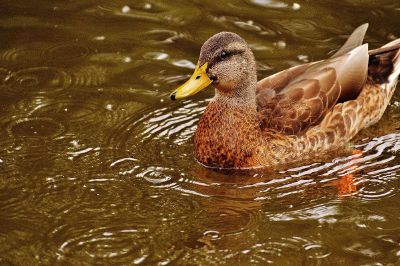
(96, 163)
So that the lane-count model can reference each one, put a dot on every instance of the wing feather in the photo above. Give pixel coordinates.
(293, 100)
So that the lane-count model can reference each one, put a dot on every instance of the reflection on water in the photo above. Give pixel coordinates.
(96, 163)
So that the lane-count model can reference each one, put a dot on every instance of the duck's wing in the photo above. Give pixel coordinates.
(300, 97)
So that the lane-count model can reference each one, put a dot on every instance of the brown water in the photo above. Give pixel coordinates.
(96, 163)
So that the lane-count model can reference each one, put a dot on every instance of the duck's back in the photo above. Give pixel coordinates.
(335, 98)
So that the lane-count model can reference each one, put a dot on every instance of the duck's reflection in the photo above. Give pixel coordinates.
(346, 185)
(230, 206)
(236, 204)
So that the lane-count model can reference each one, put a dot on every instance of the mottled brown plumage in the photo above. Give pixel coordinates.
(293, 115)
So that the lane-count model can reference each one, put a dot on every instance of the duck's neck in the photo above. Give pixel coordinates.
(228, 132)
(245, 99)
(243, 93)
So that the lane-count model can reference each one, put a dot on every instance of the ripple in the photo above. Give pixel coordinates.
(35, 128)
(28, 148)
(120, 244)
(374, 189)
(89, 76)
(12, 193)
(375, 181)
(316, 251)
(230, 217)
(155, 12)
(120, 180)
(38, 79)
(107, 192)
(66, 52)
(103, 188)
(67, 125)
(165, 36)
(156, 55)
(47, 80)
(73, 111)
(21, 55)
(154, 139)
(178, 124)
(126, 243)
(110, 219)
(248, 25)
(158, 176)
(7, 145)
(43, 53)
(154, 125)
(296, 249)
(3, 75)
(124, 169)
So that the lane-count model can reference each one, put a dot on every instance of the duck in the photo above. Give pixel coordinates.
(298, 114)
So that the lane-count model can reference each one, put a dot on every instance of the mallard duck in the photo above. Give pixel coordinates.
(299, 113)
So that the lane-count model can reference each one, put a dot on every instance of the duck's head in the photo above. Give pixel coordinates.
(225, 61)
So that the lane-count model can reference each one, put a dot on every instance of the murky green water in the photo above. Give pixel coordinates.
(96, 163)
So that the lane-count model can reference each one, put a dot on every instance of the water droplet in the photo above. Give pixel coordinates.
(109, 107)
(270, 3)
(281, 44)
(125, 9)
(100, 38)
(303, 58)
(213, 235)
(296, 6)
(156, 55)
(184, 63)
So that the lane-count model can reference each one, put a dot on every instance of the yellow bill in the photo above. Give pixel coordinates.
(197, 82)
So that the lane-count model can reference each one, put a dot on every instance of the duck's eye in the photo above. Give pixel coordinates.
(223, 54)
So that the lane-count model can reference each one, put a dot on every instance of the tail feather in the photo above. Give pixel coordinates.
(396, 69)
(384, 68)
(355, 40)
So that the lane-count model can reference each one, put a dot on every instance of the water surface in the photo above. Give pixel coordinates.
(96, 164)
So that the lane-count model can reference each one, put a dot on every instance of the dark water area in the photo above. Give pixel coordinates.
(96, 163)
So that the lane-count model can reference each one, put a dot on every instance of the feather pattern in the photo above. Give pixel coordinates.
(308, 92)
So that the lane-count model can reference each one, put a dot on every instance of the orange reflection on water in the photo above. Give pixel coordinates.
(346, 185)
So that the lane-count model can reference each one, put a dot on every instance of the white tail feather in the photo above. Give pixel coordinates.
(392, 80)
